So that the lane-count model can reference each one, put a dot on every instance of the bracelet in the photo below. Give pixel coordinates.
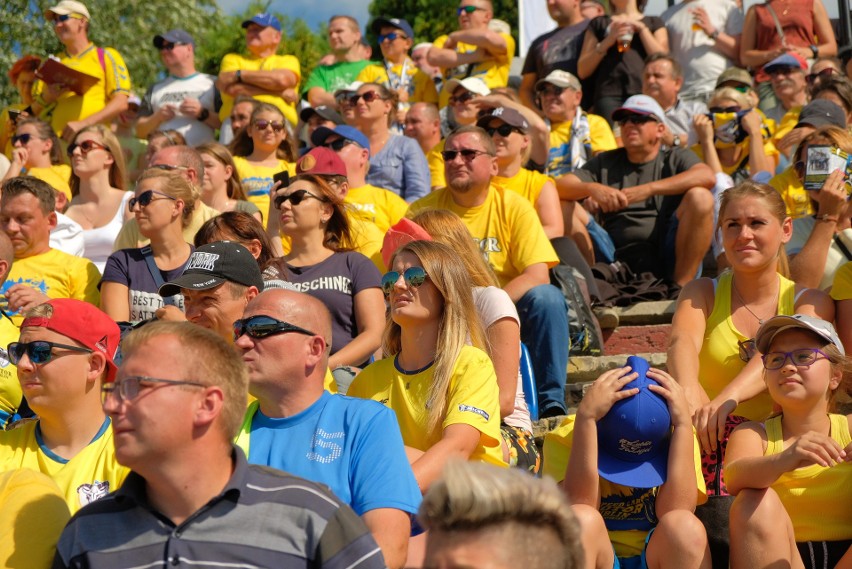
(828, 218)
(598, 49)
(239, 76)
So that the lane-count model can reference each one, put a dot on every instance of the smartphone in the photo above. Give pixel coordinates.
(821, 161)
(14, 114)
(283, 177)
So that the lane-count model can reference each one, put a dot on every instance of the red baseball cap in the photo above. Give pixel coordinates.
(83, 323)
(401, 234)
(321, 161)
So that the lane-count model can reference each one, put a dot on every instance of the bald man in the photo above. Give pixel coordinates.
(351, 445)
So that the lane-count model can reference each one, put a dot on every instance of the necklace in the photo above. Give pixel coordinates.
(750, 311)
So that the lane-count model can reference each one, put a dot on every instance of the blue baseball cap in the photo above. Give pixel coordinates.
(787, 60)
(397, 23)
(343, 131)
(264, 19)
(634, 437)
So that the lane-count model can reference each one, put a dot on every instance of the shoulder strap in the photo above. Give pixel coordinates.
(147, 254)
(102, 59)
(778, 27)
(843, 248)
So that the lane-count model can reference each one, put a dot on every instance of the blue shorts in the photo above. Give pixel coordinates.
(635, 562)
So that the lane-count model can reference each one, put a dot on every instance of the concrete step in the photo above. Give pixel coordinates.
(631, 340)
(587, 368)
(646, 313)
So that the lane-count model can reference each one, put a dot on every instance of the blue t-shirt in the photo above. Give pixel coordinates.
(351, 445)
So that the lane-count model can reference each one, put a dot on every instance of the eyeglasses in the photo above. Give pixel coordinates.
(22, 138)
(824, 74)
(262, 326)
(262, 124)
(145, 198)
(637, 120)
(803, 357)
(782, 70)
(295, 198)
(747, 349)
(734, 109)
(551, 90)
(467, 154)
(39, 352)
(413, 277)
(170, 46)
(503, 130)
(468, 9)
(337, 145)
(463, 98)
(130, 387)
(168, 167)
(86, 146)
(391, 37)
(369, 97)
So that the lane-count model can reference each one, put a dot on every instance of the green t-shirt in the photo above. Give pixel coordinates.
(335, 76)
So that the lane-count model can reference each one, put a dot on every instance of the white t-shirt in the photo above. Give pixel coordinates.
(172, 91)
(67, 236)
(694, 50)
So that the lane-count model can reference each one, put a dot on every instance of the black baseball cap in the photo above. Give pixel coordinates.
(213, 264)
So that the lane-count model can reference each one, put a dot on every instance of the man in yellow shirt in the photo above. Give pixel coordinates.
(423, 124)
(40, 273)
(10, 389)
(67, 111)
(473, 50)
(262, 74)
(513, 243)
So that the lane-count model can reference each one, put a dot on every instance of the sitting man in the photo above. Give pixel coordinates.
(65, 353)
(512, 240)
(191, 498)
(655, 205)
(10, 387)
(787, 76)
(662, 80)
(40, 272)
(352, 445)
(219, 279)
(423, 124)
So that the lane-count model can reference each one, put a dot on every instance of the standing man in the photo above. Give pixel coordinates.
(423, 124)
(262, 74)
(662, 80)
(508, 232)
(191, 498)
(474, 50)
(704, 38)
(352, 445)
(69, 112)
(556, 49)
(344, 38)
(186, 100)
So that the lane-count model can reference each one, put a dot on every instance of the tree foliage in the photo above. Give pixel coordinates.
(433, 18)
(130, 26)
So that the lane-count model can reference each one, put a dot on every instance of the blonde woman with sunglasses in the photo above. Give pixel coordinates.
(162, 205)
(711, 351)
(262, 149)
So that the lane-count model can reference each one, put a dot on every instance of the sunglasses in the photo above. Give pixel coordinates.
(85, 147)
(369, 97)
(824, 74)
(467, 154)
(747, 349)
(22, 138)
(463, 98)
(39, 352)
(145, 198)
(129, 388)
(391, 37)
(413, 277)
(468, 9)
(638, 120)
(262, 326)
(734, 109)
(64, 18)
(782, 70)
(337, 145)
(295, 198)
(552, 90)
(170, 46)
(263, 124)
(804, 357)
(503, 130)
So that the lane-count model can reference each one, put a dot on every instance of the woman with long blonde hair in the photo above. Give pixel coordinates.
(712, 351)
(442, 388)
(221, 187)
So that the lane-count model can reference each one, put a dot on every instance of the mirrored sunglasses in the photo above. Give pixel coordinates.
(413, 277)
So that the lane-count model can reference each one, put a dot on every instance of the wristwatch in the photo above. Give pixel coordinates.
(676, 141)
(814, 50)
(715, 35)
(202, 116)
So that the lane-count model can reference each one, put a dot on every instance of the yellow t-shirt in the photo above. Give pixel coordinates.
(505, 226)
(420, 87)
(56, 274)
(130, 238)
(526, 183)
(768, 148)
(793, 193)
(841, 289)
(788, 123)
(719, 361)
(600, 139)
(620, 505)
(436, 165)
(257, 181)
(10, 387)
(57, 176)
(235, 61)
(34, 515)
(91, 474)
(374, 205)
(113, 78)
(494, 71)
(473, 399)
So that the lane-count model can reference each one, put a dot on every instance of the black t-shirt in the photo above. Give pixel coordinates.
(639, 220)
(559, 49)
(620, 74)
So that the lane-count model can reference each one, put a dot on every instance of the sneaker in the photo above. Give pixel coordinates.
(607, 317)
